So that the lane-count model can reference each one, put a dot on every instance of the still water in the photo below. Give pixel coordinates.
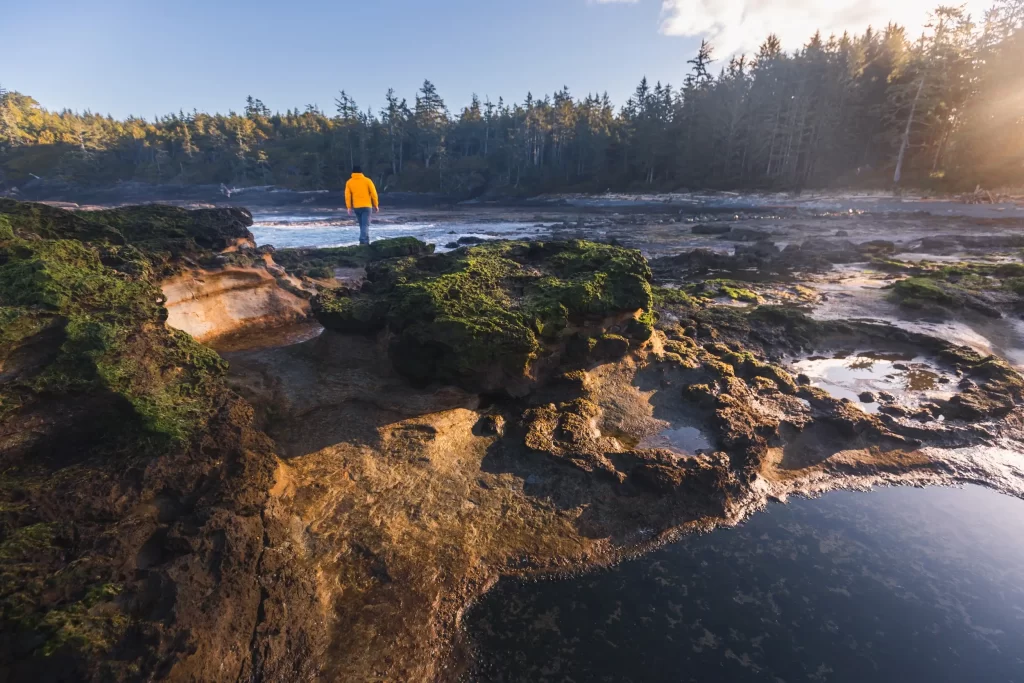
(899, 585)
(909, 379)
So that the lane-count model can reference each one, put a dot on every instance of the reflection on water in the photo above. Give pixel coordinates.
(267, 338)
(858, 295)
(683, 440)
(907, 378)
(897, 585)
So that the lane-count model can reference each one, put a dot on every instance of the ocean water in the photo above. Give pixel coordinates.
(895, 585)
(340, 230)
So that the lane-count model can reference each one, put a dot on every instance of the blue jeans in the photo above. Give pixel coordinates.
(363, 216)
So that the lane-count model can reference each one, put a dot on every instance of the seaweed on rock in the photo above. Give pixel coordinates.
(166, 238)
(108, 337)
(320, 262)
(105, 413)
(481, 315)
(989, 288)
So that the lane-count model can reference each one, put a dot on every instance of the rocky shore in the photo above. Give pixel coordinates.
(326, 510)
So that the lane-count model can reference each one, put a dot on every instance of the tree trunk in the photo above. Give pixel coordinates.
(939, 149)
(394, 159)
(906, 135)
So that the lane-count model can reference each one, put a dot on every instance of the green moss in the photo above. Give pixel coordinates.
(915, 289)
(719, 368)
(727, 288)
(25, 543)
(740, 361)
(6, 231)
(113, 342)
(93, 379)
(740, 294)
(681, 347)
(779, 377)
(894, 266)
(959, 285)
(641, 327)
(702, 394)
(1015, 285)
(665, 296)
(90, 626)
(360, 314)
(168, 237)
(492, 308)
(320, 263)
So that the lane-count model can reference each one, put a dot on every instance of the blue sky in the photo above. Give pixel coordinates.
(127, 57)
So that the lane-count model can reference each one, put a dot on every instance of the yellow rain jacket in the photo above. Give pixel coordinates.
(360, 192)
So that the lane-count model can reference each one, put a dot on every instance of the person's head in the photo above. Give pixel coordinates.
(357, 169)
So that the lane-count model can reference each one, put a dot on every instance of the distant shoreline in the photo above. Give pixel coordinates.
(1006, 204)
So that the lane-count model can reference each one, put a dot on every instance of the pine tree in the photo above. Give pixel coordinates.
(9, 136)
(431, 117)
(946, 109)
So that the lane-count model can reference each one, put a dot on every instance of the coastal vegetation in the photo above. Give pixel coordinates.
(941, 109)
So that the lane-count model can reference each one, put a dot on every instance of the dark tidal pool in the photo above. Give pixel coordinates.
(898, 585)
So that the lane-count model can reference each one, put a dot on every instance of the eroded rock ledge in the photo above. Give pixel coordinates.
(325, 511)
(211, 304)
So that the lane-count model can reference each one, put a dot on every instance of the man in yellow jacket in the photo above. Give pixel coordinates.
(361, 195)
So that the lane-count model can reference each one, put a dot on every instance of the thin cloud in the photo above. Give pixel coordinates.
(734, 26)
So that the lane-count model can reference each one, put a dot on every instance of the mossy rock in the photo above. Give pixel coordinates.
(160, 238)
(670, 297)
(111, 341)
(922, 289)
(641, 327)
(98, 399)
(988, 288)
(683, 347)
(320, 263)
(611, 346)
(480, 316)
(351, 313)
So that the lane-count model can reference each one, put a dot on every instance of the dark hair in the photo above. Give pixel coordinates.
(357, 169)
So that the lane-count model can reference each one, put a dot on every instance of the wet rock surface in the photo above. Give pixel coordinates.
(328, 508)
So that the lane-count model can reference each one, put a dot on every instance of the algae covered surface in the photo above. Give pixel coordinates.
(97, 317)
(456, 317)
(104, 410)
(988, 288)
(320, 263)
